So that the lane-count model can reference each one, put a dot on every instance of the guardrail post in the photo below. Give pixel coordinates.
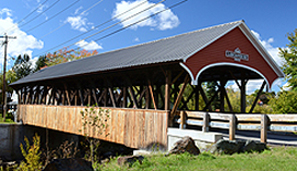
(232, 127)
(264, 127)
(205, 127)
(182, 120)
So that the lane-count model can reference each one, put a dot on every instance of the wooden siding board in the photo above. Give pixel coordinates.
(112, 137)
(132, 138)
(134, 128)
(122, 121)
(118, 126)
(142, 122)
(139, 128)
(126, 129)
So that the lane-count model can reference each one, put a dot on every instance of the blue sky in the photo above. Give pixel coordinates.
(57, 21)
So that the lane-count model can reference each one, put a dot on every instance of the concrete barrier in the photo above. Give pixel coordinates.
(12, 135)
(202, 139)
(10, 139)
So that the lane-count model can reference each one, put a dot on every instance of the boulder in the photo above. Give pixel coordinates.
(186, 144)
(124, 160)
(251, 146)
(236, 146)
(69, 165)
(226, 147)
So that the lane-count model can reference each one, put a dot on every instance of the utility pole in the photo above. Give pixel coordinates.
(4, 99)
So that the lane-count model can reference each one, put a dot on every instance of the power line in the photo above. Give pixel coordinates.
(53, 16)
(128, 18)
(66, 22)
(130, 25)
(40, 5)
(40, 13)
(134, 7)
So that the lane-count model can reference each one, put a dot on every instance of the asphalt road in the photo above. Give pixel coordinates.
(273, 138)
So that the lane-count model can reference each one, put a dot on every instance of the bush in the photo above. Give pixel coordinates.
(284, 103)
(31, 154)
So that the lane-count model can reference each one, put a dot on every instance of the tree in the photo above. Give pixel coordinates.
(10, 78)
(64, 55)
(211, 89)
(40, 63)
(22, 66)
(289, 54)
(284, 103)
(234, 97)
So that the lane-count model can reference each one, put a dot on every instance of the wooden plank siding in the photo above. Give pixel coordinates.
(135, 128)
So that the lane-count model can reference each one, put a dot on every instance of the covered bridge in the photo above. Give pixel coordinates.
(143, 85)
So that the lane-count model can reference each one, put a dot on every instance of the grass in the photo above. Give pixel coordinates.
(7, 120)
(278, 158)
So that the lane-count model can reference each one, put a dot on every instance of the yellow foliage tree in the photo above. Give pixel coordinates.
(65, 55)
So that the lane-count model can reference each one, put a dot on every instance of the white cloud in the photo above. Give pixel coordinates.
(251, 86)
(5, 11)
(23, 43)
(136, 39)
(163, 21)
(273, 51)
(79, 22)
(77, 10)
(88, 46)
(33, 62)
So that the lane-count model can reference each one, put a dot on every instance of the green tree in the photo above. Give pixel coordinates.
(284, 103)
(22, 66)
(234, 97)
(189, 91)
(211, 88)
(10, 78)
(40, 63)
(289, 54)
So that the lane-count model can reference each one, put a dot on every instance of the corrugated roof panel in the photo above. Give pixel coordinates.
(169, 49)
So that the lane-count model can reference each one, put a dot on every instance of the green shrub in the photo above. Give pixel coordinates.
(31, 155)
(96, 119)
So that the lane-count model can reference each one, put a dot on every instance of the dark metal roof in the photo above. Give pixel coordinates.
(174, 48)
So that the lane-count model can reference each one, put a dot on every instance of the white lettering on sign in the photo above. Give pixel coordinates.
(237, 55)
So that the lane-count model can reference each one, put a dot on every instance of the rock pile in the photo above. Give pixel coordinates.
(237, 146)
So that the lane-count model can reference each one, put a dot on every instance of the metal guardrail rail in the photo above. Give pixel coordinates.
(233, 122)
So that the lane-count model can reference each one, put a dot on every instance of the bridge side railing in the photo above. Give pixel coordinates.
(135, 128)
(233, 122)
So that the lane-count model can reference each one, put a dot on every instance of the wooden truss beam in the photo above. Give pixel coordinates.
(257, 97)
(179, 97)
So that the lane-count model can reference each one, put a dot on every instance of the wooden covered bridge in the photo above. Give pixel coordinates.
(143, 85)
